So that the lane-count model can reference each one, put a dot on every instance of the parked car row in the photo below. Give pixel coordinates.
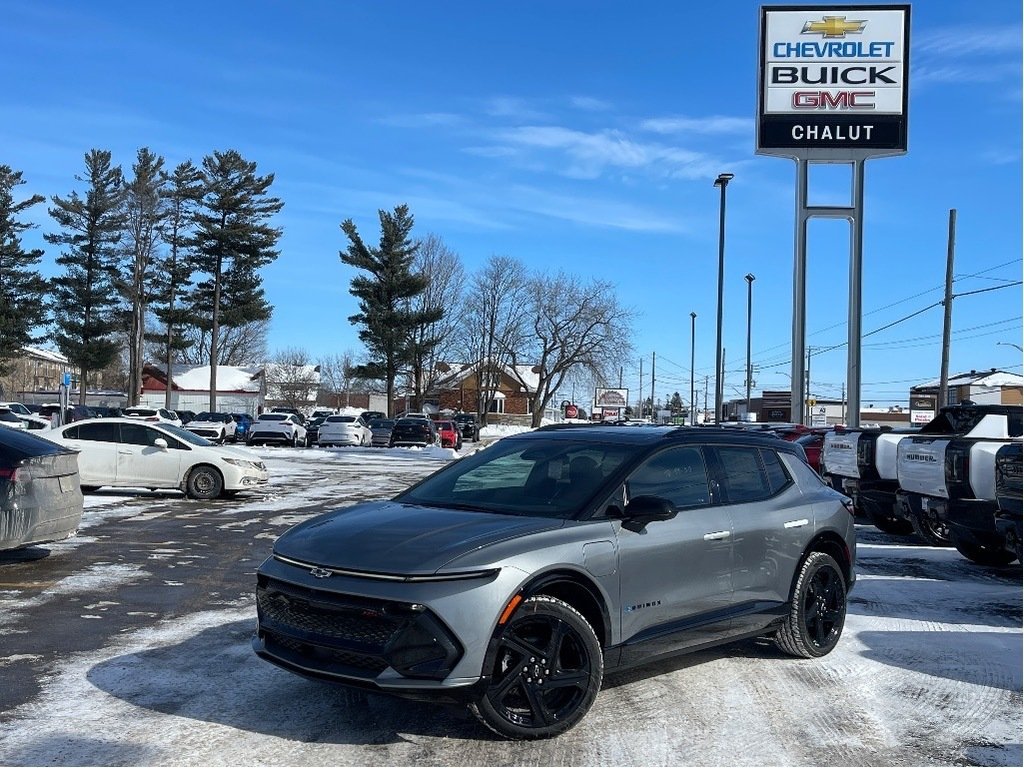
(939, 482)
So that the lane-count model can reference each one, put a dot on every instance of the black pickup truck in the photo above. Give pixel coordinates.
(862, 464)
(1008, 497)
(947, 476)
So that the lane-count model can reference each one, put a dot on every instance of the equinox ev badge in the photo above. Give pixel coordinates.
(319, 573)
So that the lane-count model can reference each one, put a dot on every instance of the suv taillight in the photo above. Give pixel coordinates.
(957, 467)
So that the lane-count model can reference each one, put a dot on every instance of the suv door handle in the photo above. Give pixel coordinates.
(717, 536)
(125, 453)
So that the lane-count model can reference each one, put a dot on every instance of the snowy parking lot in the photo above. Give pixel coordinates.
(129, 645)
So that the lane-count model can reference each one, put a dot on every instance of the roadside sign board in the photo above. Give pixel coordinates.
(832, 82)
(67, 378)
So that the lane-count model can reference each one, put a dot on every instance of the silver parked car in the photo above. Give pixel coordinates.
(515, 578)
(380, 430)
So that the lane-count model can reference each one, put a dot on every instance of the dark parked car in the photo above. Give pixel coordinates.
(313, 430)
(413, 432)
(468, 426)
(40, 494)
(514, 578)
(369, 416)
(186, 416)
(380, 431)
(243, 423)
(1009, 461)
(71, 413)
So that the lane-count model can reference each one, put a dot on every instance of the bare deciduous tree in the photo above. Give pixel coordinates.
(571, 326)
(493, 321)
(432, 342)
(238, 345)
(338, 377)
(291, 378)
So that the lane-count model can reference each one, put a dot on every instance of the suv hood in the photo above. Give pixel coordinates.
(389, 537)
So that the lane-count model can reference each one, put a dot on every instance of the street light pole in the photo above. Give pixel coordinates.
(693, 402)
(721, 182)
(750, 283)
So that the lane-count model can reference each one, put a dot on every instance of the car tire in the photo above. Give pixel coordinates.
(932, 532)
(817, 610)
(890, 523)
(547, 641)
(204, 483)
(983, 554)
(295, 440)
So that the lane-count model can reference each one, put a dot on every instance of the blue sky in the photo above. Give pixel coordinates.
(581, 136)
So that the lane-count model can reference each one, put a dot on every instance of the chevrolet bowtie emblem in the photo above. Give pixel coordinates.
(833, 26)
(319, 573)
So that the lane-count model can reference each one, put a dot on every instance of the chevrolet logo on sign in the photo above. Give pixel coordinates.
(833, 26)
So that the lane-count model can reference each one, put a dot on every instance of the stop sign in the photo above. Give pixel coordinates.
(571, 411)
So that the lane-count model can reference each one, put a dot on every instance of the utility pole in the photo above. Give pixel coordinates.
(620, 377)
(720, 416)
(843, 399)
(640, 390)
(807, 394)
(652, 385)
(705, 398)
(947, 315)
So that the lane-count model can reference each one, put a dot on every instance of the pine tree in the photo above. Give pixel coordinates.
(145, 209)
(172, 274)
(22, 289)
(233, 241)
(84, 300)
(385, 312)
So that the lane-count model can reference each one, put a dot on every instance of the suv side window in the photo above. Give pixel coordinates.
(778, 478)
(677, 475)
(99, 432)
(743, 477)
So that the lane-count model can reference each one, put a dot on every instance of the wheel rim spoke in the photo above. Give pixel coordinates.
(572, 679)
(558, 634)
(522, 647)
(538, 708)
(511, 680)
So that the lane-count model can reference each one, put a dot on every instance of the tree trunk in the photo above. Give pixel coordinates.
(213, 336)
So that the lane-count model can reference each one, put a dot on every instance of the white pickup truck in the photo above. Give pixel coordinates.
(862, 464)
(947, 476)
(1009, 468)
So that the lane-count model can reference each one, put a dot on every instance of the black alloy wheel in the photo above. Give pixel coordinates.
(547, 671)
(931, 530)
(817, 609)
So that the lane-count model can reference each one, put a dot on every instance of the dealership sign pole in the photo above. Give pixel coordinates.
(832, 88)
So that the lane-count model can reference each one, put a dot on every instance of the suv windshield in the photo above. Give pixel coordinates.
(535, 479)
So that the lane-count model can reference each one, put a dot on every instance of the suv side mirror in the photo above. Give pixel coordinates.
(160, 443)
(646, 509)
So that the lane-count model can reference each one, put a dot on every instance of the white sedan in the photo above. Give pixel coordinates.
(134, 454)
(344, 430)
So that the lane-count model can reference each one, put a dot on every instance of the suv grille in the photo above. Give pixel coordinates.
(351, 636)
(366, 626)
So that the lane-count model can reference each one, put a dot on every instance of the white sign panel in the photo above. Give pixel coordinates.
(833, 80)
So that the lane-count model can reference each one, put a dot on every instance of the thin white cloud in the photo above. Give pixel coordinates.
(514, 107)
(423, 120)
(589, 104)
(956, 42)
(591, 154)
(716, 124)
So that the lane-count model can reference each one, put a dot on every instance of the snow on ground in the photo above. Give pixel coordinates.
(929, 671)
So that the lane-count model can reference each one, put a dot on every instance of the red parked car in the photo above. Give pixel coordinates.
(451, 437)
(812, 443)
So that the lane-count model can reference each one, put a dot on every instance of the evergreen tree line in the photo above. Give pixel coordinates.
(417, 309)
(182, 247)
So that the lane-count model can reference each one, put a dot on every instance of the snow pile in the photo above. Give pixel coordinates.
(498, 431)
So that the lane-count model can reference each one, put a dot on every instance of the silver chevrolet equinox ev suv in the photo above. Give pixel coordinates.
(515, 578)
